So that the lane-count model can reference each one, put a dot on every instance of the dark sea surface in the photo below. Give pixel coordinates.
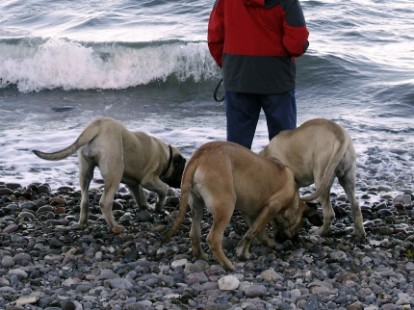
(146, 63)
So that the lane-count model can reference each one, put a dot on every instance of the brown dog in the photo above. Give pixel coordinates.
(134, 158)
(318, 151)
(225, 176)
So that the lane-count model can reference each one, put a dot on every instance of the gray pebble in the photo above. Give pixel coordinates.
(7, 261)
(92, 268)
(255, 290)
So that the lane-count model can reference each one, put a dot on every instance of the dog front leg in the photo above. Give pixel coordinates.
(263, 237)
(266, 240)
(257, 228)
(161, 189)
(139, 196)
(162, 197)
(328, 213)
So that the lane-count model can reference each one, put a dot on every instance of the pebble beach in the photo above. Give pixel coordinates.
(47, 264)
(147, 64)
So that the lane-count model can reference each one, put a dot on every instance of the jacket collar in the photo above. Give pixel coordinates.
(261, 3)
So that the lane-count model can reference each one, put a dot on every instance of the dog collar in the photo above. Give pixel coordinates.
(169, 162)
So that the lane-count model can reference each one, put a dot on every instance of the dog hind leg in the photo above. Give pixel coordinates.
(112, 179)
(197, 207)
(222, 213)
(328, 212)
(347, 181)
(324, 198)
(86, 168)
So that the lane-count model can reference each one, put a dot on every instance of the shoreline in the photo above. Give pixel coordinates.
(46, 264)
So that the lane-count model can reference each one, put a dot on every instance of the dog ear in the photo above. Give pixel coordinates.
(179, 164)
(174, 180)
(311, 213)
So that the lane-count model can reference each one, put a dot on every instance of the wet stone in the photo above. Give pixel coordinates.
(91, 268)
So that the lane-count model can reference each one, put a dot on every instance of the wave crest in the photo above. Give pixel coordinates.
(44, 65)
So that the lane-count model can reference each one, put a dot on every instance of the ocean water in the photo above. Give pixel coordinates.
(146, 63)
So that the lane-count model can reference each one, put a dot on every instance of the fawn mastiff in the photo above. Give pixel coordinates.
(133, 158)
(224, 176)
(318, 151)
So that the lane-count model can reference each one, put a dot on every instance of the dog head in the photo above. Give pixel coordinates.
(174, 173)
(294, 223)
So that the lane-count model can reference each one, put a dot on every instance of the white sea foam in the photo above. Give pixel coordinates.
(70, 65)
(384, 152)
(66, 57)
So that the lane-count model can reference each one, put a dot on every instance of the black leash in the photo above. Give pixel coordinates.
(216, 91)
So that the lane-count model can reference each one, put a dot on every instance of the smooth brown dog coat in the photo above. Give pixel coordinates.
(225, 176)
(134, 158)
(318, 151)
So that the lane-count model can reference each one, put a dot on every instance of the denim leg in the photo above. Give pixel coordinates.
(280, 111)
(242, 112)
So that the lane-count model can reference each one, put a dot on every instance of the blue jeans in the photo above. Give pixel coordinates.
(243, 111)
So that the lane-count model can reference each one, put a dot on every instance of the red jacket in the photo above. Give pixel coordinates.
(256, 41)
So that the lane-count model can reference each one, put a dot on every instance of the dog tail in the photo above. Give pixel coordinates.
(329, 172)
(186, 184)
(314, 195)
(85, 137)
(58, 155)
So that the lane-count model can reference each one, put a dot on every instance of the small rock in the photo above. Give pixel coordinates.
(255, 290)
(228, 283)
(197, 277)
(271, 275)
(179, 263)
(20, 273)
(120, 283)
(7, 261)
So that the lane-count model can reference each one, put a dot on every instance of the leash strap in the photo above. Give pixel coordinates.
(216, 91)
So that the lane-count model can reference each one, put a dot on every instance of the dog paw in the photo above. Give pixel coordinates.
(269, 243)
(243, 254)
(159, 208)
(117, 229)
(229, 267)
(147, 206)
(79, 226)
(360, 238)
(324, 231)
(200, 254)
(205, 257)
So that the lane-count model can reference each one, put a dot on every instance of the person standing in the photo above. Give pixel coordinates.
(256, 43)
